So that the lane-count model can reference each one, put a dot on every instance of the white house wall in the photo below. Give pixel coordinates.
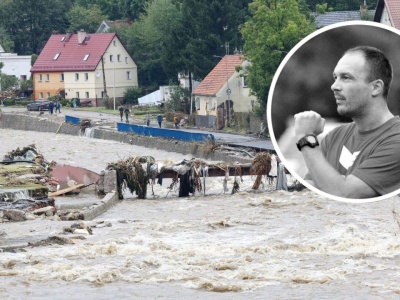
(18, 66)
(239, 95)
(385, 17)
(116, 75)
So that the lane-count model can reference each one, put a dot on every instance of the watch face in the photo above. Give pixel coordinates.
(311, 139)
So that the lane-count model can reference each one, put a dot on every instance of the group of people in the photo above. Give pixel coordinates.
(56, 106)
(125, 110)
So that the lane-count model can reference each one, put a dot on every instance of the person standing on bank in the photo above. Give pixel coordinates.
(159, 120)
(51, 107)
(58, 106)
(148, 120)
(127, 111)
(121, 112)
(360, 159)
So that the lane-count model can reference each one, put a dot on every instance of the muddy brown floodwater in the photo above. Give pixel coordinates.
(250, 245)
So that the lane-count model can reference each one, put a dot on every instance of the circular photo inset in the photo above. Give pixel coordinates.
(333, 111)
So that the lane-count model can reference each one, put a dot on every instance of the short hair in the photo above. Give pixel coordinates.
(379, 65)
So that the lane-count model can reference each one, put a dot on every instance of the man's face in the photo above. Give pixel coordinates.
(351, 87)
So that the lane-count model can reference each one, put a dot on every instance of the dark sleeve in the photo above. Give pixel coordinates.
(381, 170)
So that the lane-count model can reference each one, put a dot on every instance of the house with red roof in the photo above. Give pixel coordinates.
(224, 91)
(388, 12)
(84, 66)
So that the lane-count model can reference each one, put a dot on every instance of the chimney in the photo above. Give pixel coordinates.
(81, 36)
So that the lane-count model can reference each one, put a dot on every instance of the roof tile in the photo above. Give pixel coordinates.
(213, 82)
(393, 8)
(71, 54)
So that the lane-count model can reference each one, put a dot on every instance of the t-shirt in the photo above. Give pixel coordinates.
(372, 156)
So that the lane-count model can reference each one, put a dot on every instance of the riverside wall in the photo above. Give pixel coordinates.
(42, 124)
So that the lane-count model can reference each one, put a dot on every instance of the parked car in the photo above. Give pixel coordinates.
(38, 105)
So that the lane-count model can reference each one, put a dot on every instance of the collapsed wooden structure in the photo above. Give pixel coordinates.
(138, 172)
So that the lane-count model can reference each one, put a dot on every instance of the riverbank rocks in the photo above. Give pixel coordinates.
(79, 228)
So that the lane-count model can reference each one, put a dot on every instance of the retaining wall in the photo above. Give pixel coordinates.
(42, 124)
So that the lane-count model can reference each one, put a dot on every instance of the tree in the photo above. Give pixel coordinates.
(274, 28)
(87, 18)
(122, 9)
(132, 95)
(6, 41)
(152, 41)
(8, 81)
(179, 101)
(208, 25)
(30, 22)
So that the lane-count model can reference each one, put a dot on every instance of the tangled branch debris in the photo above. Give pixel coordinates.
(133, 173)
(85, 123)
(261, 165)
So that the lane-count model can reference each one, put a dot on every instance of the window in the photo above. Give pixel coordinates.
(56, 56)
(86, 76)
(40, 77)
(40, 95)
(210, 103)
(86, 57)
(128, 75)
(47, 77)
(119, 57)
(76, 76)
(197, 103)
(77, 95)
(244, 81)
(62, 39)
(87, 95)
(126, 59)
(111, 58)
(115, 43)
(62, 77)
(47, 95)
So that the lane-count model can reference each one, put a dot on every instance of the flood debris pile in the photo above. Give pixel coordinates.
(84, 124)
(137, 173)
(134, 173)
(25, 209)
(261, 165)
(26, 168)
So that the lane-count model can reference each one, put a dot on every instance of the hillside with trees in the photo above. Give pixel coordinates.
(170, 36)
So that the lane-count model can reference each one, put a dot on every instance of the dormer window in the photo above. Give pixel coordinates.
(86, 57)
(56, 56)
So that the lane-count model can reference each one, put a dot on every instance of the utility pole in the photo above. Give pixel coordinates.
(228, 90)
(104, 77)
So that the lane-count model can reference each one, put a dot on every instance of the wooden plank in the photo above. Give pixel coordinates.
(67, 190)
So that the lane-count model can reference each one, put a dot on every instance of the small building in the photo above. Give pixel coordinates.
(388, 12)
(333, 17)
(16, 65)
(105, 26)
(223, 92)
(84, 66)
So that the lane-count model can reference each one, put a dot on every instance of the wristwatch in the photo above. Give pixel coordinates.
(309, 140)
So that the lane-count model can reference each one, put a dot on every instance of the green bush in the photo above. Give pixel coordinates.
(9, 101)
(78, 102)
(108, 103)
